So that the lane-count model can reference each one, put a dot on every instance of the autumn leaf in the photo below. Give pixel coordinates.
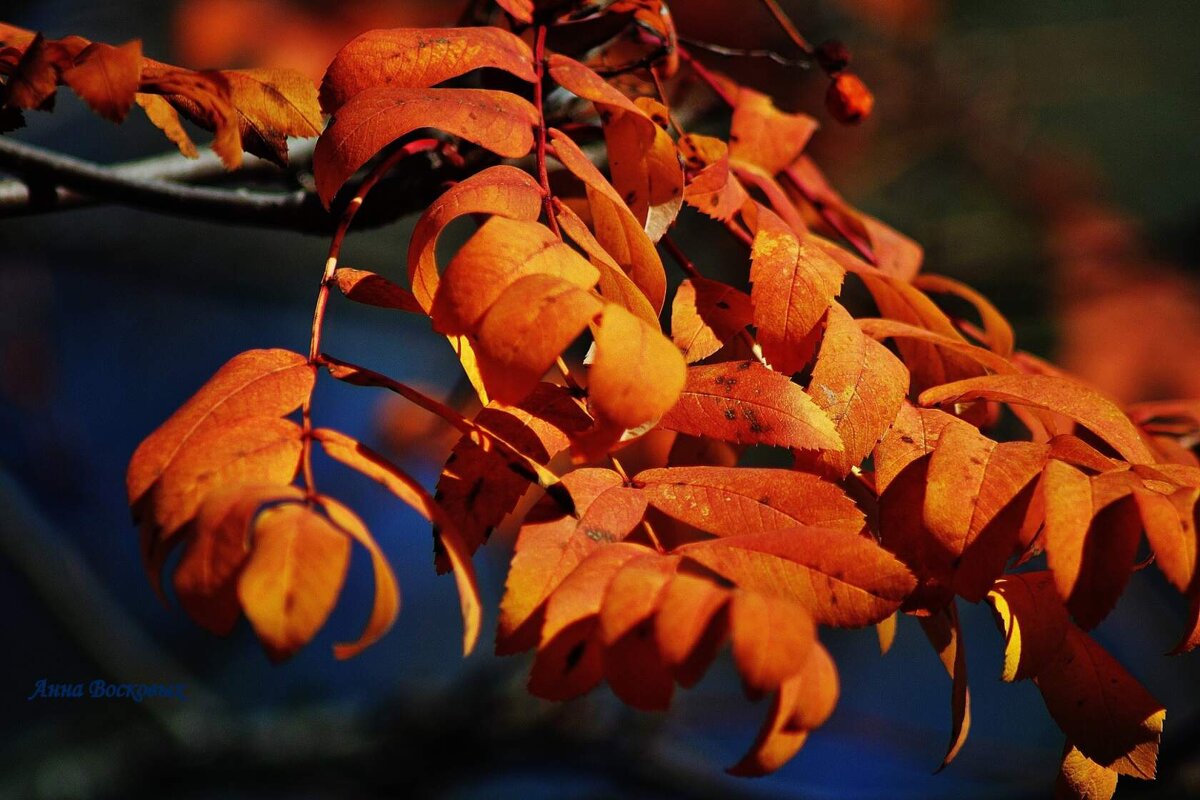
(736, 501)
(794, 283)
(373, 119)
(860, 385)
(271, 105)
(107, 78)
(772, 636)
(914, 433)
(705, 315)
(569, 659)
(1080, 778)
(944, 632)
(627, 348)
(763, 135)
(691, 623)
(1101, 708)
(293, 576)
(417, 58)
(206, 578)
(1033, 619)
(552, 544)
(633, 666)
(747, 403)
(842, 578)
(1084, 405)
(713, 189)
(615, 226)
(370, 289)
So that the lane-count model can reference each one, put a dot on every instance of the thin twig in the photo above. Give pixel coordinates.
(739, 52)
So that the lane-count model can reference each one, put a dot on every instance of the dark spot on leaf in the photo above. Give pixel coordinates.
(744, 365)
(599, 535)
(752, 419)
(721, 304)
(730, 414)
(907, 439)
(575, 655)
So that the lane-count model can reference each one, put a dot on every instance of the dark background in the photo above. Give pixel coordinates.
(110, 318)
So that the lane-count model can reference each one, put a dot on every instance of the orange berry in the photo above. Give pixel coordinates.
(848, 99)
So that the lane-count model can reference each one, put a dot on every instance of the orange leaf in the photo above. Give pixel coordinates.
(974, 503)
(359, 457)
(373, 119)
(763, 135)
(736, 501)
(748, 403)
(691, 623)
(107, 77)
(254, 383)
(271, 105)
(616, 228)
(520, 10)
(1170, 523)
(1063, 396)
(713, 190)
(945, 634)
(417, 58)
(569, 659)
(552, 544)
(1092, 534)
(842, 578)
(164, 117)
(615, 286)
(914, 433)
(293, 576)
(705, 315)
(1080, 778)
(860, 385)
(477, 487)
(386, 604)
(202, 97)
(528, 327)
(370, 289)
(1101, 708)
(248, 449)
(501, 190)
(997, 330)
(1033, 619)
(633, 666)
(804, 702)
(772, 638)
(206, 578)
(627, 350)
(499, 253)
(794, 283)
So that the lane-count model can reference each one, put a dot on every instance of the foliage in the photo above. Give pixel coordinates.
(931, 460)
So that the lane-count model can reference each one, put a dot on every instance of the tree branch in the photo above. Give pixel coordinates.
(51, 182)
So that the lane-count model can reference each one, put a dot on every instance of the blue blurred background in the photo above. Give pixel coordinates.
(110, 318)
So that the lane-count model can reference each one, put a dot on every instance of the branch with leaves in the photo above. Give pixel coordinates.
(906, 494)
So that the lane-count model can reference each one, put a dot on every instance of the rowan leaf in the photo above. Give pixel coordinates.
(477, 488)
(615, 226)
(691, 623)
(1101, 708)
(206, 578)
(772, 637)
(386, 604)
(362, 459)
(271, 105)
(1061, 395)
(164, 117)
(763, 135)
(1080, 778)
(974, 503)
(372, 119)
(627, 348)
(633, 666)
(914, 433)
(417, 58)
(107, 77)
(747, 403)
(860, 385)
(1170, 523)
(370, 289)
(293, 576)
(713, 189)
(705, 315)
(735, 501)
(842, 578)
(254, 383)
(569, 659)
(1033, 619)
(944, 632)
(793, 285)
(997, 331)
(551, 544)
(1092, 533)
(529, 326)
(500, 252)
